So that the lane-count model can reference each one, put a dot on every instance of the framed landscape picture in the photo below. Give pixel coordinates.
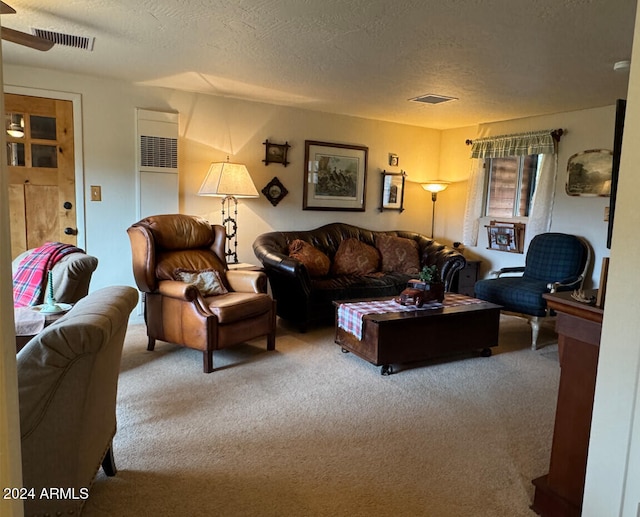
(335, 176)
(589, 173)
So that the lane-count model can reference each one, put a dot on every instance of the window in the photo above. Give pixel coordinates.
(510, 185)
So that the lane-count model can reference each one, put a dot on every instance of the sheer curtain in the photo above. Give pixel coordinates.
(521, 144)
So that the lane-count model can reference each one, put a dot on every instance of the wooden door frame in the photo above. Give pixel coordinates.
(78, 161)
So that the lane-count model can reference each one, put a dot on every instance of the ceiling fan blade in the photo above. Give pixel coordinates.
(28, 40)
(6, 9)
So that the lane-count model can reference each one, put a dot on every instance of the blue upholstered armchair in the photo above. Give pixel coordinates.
(554, 262)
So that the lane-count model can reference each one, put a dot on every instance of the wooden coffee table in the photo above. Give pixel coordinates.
(416, 335)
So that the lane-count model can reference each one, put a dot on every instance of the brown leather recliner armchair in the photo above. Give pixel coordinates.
(176, 311)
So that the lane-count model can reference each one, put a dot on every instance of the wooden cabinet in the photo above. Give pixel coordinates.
(559, 493)
(465, 279)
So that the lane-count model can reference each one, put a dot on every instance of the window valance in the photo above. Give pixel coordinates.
(521, 144)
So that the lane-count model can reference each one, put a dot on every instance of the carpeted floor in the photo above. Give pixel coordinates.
(309, 431)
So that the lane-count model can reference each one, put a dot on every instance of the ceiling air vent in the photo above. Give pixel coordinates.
(67, 40)
(432, 98)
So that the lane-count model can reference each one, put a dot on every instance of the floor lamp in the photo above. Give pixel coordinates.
(434, 187)
(229, 181)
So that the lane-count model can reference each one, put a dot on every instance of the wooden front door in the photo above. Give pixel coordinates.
(40, 157)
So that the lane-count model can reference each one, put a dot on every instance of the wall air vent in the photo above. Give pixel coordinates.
(432, 98)
(157, 151)
(67, 40)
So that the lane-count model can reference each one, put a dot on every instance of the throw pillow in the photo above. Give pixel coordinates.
(316, 262)
(399, 255)
(355, 257)
(207, 281)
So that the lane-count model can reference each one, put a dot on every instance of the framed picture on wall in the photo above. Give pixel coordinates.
(589, 173)
(335, 176)
(392, 191)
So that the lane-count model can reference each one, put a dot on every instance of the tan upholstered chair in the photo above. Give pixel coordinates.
(71, 275)
(67, 386)
(178, 312)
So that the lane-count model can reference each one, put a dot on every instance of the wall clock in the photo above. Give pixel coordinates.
(274, 191)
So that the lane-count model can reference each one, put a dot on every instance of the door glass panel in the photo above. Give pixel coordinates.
(43, 128)
(15, 154)
(44, 155)
(15, 125)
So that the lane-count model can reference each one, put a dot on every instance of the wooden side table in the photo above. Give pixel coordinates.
(464, 281)
(559, 493)
(21, 314)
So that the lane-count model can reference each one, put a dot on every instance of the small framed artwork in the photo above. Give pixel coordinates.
(276, 153)
(274, 191)
(394, 161)
(335, 176)
(504, 236)
(589, 173)
(392, 191)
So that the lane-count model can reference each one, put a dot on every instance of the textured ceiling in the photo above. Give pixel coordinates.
(502, 59)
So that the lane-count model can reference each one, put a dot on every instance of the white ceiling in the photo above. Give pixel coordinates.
(502, 59)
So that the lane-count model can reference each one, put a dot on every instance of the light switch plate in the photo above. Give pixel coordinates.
(96, 193)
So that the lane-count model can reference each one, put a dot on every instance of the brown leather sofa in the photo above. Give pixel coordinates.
(303, 299)
(177, 311)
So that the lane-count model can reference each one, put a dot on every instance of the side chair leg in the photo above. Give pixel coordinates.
(207, 357)
(109, 463)
(271, 336)
(151, 344)
(271, 340)
(535, 329)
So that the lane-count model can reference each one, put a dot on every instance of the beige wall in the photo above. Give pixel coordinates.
(584, 129)
(212, 128)
(10, 462)
(613, 471)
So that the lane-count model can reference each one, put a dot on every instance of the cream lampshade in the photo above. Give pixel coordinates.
(229, 181)
(434, 187)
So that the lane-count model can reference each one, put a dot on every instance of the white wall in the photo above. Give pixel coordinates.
(613, 471)
(10, 461)
(212, 128)
(585, 129)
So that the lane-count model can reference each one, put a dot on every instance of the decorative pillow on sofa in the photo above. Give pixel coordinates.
(316, 262)
(207, 281)
(354, 257)
(399, 255)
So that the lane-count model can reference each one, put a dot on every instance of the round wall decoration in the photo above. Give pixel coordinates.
(274, 191)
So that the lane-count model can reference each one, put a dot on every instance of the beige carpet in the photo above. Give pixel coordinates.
(309, 431)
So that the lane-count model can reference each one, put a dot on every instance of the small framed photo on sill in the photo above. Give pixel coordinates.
(505, 236)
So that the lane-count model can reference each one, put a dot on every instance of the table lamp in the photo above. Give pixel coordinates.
(229, 181)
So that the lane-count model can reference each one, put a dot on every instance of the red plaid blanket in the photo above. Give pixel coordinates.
(30, 279)
(350, 315)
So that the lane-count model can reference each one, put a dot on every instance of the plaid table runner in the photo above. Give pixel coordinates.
(351, 314)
